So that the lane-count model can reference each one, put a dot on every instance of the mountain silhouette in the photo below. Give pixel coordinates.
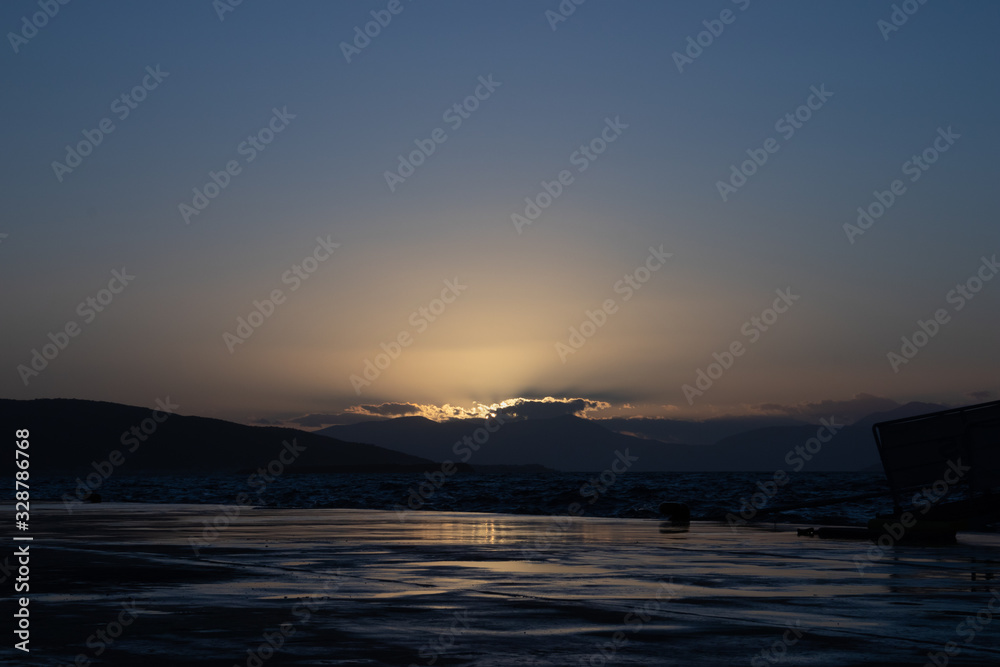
(573, 444)
(563, 443)
(69, 435)
(693, 432)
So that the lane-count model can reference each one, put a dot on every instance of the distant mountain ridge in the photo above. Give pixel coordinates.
(544, 442)
(571, 444)
(690, 432)
(69, 435)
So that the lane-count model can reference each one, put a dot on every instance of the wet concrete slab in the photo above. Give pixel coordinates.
(200, 585)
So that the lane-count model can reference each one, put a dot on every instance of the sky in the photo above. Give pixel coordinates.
(630, 208)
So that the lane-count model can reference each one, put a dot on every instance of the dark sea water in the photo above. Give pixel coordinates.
(631, 495)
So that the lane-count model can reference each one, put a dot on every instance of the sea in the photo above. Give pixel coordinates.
(709, 496)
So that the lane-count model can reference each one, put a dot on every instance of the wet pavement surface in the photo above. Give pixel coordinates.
(197, 585)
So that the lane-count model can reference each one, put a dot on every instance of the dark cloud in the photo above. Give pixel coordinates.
(388, 409)
(850, 410)
(318, 420)
(551, 407)
(984, 395)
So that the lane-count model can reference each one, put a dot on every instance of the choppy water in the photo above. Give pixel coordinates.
(709, 495)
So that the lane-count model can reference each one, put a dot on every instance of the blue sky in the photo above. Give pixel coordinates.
(324, 176)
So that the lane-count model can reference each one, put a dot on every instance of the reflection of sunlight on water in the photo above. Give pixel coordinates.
(488, 531)
(504, 530)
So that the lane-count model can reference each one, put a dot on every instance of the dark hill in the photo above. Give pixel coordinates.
(69, 435)
(564, 443)
(692, 432)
